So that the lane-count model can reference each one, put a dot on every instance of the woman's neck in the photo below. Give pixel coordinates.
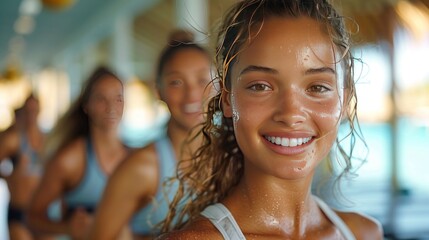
(109, 149)
(179, 137)
(283, 206)
(107, 138)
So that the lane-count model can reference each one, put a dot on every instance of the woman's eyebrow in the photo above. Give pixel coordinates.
(254, 68)
(319, 70)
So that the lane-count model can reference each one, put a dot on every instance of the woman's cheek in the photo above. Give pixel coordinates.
(329, 110)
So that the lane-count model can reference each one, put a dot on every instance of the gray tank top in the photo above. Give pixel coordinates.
(223, 220)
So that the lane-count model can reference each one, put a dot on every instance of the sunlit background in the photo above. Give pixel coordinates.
(50, 47)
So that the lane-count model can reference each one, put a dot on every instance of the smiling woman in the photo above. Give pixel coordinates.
(182, 79)
(306, 95)
(286, 76)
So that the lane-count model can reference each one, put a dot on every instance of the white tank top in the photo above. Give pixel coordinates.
(223, 220)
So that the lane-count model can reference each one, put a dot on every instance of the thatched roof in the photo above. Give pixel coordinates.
(374, 20)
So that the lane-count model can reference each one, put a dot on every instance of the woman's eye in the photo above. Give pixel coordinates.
(176, 82)
(319, 89)
(259, 87)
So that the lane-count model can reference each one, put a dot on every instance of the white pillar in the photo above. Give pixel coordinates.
(121, 59)
(75, 78)
(193, 15)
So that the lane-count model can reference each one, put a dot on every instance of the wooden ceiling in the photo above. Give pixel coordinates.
(370, 22)
(151, 30)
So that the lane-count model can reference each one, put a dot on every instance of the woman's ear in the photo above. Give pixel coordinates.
(226, 103)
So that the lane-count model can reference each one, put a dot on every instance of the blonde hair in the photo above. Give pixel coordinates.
(217, 165)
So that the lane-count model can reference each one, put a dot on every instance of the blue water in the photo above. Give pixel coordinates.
(411, 150)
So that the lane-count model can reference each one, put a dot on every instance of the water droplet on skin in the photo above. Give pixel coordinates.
(235, 114)
(271, 221)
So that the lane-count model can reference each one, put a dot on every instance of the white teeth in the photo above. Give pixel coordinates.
(192, 108)
(288, 142)
(285, 142)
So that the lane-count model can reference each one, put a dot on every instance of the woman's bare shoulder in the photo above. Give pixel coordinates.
(140, 159)
(200, 228)
(362, 226)
(70, 158)
(142, 165)
(66, 167)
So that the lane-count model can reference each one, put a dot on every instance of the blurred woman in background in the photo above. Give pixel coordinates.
(136, 188)
(22, 144)
(82, 151)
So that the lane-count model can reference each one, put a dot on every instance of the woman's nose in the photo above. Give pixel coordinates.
(110, 108)
(290, 109)
(194, 93)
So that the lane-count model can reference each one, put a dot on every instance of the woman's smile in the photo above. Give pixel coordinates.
(288, 145)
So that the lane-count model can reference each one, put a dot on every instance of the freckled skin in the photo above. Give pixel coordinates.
(288, 106)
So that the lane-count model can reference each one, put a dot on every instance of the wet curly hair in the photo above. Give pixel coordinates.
(218, 165)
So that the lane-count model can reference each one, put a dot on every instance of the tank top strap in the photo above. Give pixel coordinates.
(335, 219)
(167, 157)
(144, 222)
(223, 220)
(93, 163)
(90, 153)
(88, 191)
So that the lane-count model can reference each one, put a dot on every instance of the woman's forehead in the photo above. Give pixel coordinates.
(296, 42)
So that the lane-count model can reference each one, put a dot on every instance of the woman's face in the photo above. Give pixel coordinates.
(106, 103)
(184, 87)
(286, 98)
